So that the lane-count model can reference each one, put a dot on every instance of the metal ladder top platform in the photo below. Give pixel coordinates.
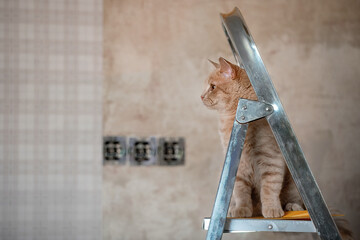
(292, 221)
(238, 225)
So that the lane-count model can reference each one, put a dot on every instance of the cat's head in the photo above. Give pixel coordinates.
(223, 85)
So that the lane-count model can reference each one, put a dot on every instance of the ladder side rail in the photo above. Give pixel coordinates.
(245, 49)
(227, 181)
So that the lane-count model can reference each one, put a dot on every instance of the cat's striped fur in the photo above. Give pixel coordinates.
(263, 184)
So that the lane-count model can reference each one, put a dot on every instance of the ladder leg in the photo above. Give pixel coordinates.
(227, 181)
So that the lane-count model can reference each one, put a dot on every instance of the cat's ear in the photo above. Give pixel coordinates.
(216, 65)
(227, 68)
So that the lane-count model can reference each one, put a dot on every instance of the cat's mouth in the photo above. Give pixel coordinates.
(209, 103)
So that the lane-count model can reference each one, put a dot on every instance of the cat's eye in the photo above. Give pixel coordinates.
(212, 86)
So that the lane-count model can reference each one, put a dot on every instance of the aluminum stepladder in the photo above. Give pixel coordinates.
(270, 107)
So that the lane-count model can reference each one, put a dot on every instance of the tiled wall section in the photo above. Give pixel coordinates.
(50, 119)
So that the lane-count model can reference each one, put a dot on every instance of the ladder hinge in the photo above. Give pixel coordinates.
(249, 110)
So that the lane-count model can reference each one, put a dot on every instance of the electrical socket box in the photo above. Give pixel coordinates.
(114, 149)
(171, 151)
(142, 151)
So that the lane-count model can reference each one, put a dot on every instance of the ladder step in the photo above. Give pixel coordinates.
(291, 215)
(297, 215)
(292, 221)
(236, 225)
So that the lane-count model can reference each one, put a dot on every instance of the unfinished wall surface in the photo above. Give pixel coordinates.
(155, 62)
(50, 119)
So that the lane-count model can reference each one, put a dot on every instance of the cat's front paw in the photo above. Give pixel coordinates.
(240, 212)
(272, 211)
(293, 207)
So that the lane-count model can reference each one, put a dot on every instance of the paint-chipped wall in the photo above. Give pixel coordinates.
(155, 61)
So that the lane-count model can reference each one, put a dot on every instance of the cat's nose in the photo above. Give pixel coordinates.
(202, 97)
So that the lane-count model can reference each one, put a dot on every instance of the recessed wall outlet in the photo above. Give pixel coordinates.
(142, 151)
(171, 151)
(114, 149)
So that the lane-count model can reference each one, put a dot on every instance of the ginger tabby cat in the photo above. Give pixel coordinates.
(263, 183)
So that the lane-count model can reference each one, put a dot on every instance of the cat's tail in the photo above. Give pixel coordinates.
(343, 225)
(344, 228)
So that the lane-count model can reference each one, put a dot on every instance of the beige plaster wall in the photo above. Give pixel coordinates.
(155, 61)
